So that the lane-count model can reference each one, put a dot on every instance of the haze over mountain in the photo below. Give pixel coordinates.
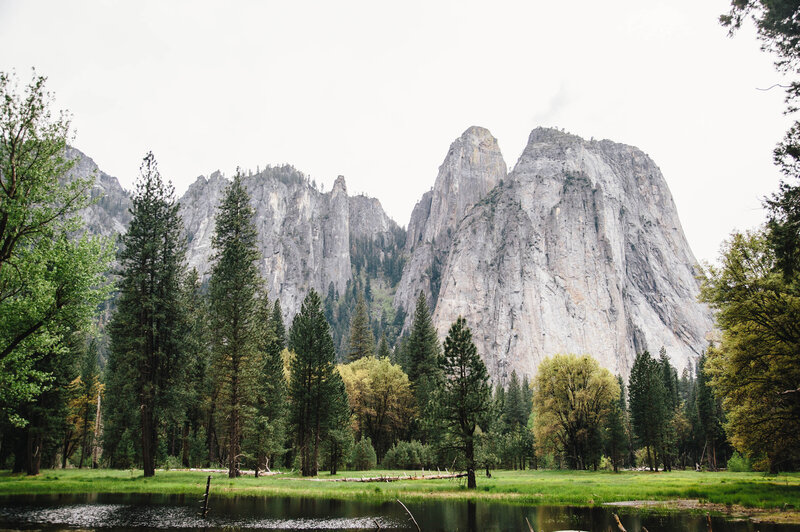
(577, 249)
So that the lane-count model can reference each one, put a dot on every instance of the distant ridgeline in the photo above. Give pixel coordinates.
(578, 249)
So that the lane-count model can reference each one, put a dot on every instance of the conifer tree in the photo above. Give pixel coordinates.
(362, 342)
(146, 359)
(422, 356)
(233, 294)
(615, 434)
(198, 377)
(383, 348)
(339, 440)
(312, 381)
(708, 415)
(464, 398)
(278, 329)
(646, 394)
(513, 411)
(267, 417)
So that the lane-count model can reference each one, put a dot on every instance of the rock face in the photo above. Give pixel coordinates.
(304, 235)
(108, 215)
(473, 166)
(580, 250)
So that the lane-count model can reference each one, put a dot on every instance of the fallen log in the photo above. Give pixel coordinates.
(388, 479)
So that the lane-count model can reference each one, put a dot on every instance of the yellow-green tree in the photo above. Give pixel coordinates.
(756, 369)
(380, 397)
(573, 395)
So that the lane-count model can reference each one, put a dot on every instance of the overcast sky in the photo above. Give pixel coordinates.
(377, 91)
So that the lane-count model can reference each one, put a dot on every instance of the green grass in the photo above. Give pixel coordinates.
(580, 488)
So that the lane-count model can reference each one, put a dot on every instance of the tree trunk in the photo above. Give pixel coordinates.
(148, 460)
(185, 445)
(33, 453)
(96, 442)
(470, 456)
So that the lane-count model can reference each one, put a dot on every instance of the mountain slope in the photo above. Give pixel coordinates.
(580, 250)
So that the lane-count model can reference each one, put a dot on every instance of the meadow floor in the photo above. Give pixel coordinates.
(774, 498)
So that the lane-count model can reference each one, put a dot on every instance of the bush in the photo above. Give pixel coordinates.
(409, 455)
(363, 457)
(738, 463)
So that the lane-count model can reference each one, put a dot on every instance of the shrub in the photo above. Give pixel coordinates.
(738, 463)
(363, 457)
(409, 455)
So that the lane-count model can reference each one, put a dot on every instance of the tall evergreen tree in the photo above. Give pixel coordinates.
(278, 329)
(383, 348)
(362, 342)
(312, 381)
(233, 293)
(465, 395)
(709, 415)
(646, 394)
(514, 408)
(616, 437)
(422, 355)
(146, 359)
(196, 422)
(339, 439)
(266, 426)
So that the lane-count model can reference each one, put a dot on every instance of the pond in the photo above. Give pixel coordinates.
(181, 512)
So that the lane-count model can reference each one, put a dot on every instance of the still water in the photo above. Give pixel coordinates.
(181, 512)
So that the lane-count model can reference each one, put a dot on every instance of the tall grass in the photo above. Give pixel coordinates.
(526, 487)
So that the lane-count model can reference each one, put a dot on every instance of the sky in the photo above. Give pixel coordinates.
(376, 91)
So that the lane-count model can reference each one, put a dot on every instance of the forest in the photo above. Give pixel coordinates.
(206, 372)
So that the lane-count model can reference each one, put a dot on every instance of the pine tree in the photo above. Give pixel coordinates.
(646, 394)
(513, 412)
(383, 348)
(198, 385)
(362, 343)
(339, 440)
(464, 397)
(312, 382)
(616, 437)
(422, 354)
(146, 359)
(278, 330)
(708, 415)
(266, 424)
(669, 376)
(233, 293)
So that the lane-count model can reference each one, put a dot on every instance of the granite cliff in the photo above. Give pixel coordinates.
(578, 249)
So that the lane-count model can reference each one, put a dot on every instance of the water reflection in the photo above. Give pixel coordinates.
(139, 512)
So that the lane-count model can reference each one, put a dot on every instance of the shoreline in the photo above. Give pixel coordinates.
(753, 496)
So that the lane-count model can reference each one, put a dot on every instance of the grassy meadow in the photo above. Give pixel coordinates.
(581, 488)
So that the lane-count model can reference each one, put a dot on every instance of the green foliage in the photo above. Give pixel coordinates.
(50, 277)
(362, 342)
(234, 290)
(464, 396)
(756, 369)
(312, 381)
(572, 399)
(647, 395)
(265, 423)
(147, 360)
(422, 356)
(738, 463)
(363, 457)
(615, 432)
(380, 398)
(409, 455)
